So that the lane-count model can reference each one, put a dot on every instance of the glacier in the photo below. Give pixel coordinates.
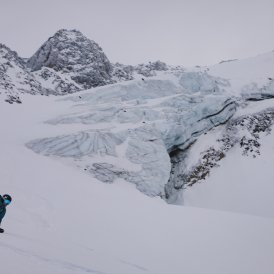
(147, 119)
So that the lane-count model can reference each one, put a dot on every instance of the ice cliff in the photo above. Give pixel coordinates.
(130, 128)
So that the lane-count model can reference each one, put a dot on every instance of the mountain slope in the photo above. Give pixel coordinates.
(200, 137)
(67, 63)
(63, 221)
(242, 180)
(14, 78)
(229, 168)
(248, 77)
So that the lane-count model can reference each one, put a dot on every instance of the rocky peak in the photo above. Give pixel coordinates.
(70, 52)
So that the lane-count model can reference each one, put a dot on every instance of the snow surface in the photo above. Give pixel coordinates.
(63, 221)
(248, 75)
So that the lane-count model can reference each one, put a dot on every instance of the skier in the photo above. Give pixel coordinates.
(4, 201)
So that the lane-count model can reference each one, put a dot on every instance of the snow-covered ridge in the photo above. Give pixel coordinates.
(66, 63)
(14, 78)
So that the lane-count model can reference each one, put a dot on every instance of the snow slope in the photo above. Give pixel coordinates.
(63, 221)
(14, 78)
(232, 163)
(243, 182)
(247, 76)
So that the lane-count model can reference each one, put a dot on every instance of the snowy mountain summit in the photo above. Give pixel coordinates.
(66, 63)
(76, 56)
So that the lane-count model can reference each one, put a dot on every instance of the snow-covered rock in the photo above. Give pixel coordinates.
(230, 168)
(243, 133)
(14, 77)
(76, 56)
(127, 72)
(56, 83)
(247, 80)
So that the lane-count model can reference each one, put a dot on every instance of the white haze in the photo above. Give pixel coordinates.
(175, 31)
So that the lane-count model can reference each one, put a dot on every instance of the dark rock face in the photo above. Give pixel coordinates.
(71, 53)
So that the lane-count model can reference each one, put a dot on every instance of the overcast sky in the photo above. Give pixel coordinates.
(185, 32)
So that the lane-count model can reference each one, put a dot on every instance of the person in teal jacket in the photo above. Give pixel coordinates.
(5, 200)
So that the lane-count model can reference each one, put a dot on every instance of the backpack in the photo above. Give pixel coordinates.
(2, 204)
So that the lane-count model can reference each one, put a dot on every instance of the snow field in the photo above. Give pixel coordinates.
(63, 221)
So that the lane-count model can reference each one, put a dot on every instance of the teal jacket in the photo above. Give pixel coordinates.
(2, 208)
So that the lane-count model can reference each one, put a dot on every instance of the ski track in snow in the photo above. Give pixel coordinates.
(56, 262)
(134, 265)
(61, 263)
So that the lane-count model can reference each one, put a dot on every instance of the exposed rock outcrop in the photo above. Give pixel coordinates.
(243, 132)
(76, 56)
(15, 78)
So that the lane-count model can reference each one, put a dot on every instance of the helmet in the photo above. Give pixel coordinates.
(7, 197)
